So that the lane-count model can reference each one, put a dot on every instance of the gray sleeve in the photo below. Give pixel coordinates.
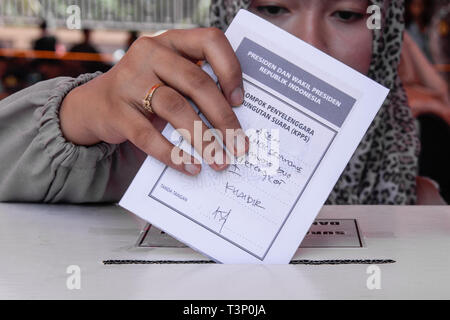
(38, 165)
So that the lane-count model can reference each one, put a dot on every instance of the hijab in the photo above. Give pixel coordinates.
(384, 167)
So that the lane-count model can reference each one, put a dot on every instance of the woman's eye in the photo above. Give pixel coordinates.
(348, 16)
(271, 10)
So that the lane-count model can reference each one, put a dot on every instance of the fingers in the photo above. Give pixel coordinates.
(139, 131)
(188, 79)
(210, 44)
(173, 107)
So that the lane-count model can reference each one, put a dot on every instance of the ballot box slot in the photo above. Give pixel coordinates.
(293, 262)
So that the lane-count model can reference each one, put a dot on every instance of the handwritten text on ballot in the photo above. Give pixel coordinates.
(246, 195)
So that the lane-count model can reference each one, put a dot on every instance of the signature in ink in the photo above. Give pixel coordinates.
(221, 216)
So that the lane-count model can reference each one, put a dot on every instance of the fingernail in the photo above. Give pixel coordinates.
(192, 169)
(237, 97)
(221, 164)
(220, 167)
(241, 143)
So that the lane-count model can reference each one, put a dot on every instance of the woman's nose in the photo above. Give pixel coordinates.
(308, 28)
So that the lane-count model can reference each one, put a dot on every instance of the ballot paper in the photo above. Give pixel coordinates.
(305, 114)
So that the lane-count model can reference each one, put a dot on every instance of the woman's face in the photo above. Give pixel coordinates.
(337, 27)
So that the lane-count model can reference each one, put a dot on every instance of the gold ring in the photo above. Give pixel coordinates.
(147, 102)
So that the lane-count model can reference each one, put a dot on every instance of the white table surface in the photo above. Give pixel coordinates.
(39, 242)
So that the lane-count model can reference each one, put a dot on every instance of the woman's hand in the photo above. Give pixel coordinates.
(109, 107)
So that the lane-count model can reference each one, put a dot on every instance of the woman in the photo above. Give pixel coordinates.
(82, 140)
(429, 100)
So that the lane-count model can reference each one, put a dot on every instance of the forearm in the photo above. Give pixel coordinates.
(74, 125)
(38, 164)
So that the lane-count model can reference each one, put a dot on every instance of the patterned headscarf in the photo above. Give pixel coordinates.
(383, 168)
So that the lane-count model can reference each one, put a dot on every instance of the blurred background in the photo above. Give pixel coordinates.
(43, 39)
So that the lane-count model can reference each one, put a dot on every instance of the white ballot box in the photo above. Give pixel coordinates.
(42, 245)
